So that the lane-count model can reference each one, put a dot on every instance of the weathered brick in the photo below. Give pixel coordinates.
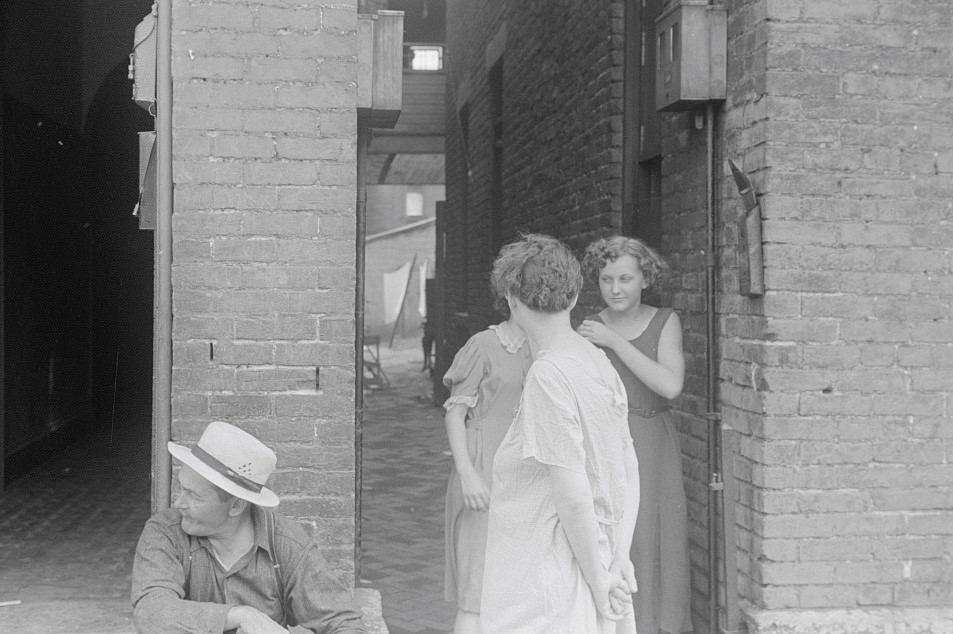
(243, 146)
(250, 249)
(281, 173)
(282, 224)
(269, 70)
(338, 19)
(317, 354)
(272, 19)
(331, 44)
(313, 148)
(280, 122)
(235, 406)
(205, 170)
(273, 380)
(203, 67)
(227, 17)
(315, 97)
(244, 353)
(278, 276)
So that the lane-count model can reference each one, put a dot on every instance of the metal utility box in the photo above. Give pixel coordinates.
(691, 40)
(142, 63)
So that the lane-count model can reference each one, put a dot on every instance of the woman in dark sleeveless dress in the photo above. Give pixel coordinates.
(644, 343)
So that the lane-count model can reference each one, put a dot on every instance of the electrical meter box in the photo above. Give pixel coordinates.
(142, 63)
(691, 43)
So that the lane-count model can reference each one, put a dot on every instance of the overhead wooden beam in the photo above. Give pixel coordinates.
(406, 144)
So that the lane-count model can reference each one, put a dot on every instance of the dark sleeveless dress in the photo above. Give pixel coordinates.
(660, 544)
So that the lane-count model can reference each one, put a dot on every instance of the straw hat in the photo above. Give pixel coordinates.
(233, 460)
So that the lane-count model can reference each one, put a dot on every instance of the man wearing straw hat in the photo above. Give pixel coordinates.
(221, 559)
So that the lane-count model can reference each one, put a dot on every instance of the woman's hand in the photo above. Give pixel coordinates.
(598, 333)
(611, 594)
(622, 573)
(476, 495)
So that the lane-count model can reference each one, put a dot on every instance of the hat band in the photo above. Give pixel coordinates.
(226, 471)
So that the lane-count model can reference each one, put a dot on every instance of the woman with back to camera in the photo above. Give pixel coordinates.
(565, 477)
(644, 344)
(485, 382)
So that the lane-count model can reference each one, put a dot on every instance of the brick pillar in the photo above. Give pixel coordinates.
(839, 380)
(263, 272)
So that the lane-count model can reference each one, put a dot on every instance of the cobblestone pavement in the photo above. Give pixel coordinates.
(68, 532)
(406, 465)
(68, 529)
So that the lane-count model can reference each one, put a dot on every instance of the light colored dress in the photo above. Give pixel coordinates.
(660, 545)
(487, 376)
(573, 415)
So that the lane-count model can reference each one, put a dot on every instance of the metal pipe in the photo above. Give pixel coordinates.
(162, 320)
(716, 485)
(363, 132)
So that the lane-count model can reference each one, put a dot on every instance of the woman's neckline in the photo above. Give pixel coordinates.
(644, 328)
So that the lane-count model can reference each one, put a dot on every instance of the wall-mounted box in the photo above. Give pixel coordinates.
(142, 63)
(380, 57)
(691, 40)
(146, 207)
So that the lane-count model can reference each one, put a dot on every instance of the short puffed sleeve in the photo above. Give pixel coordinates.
(465, 374)
(551, 430)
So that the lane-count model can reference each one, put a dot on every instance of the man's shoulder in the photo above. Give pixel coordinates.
(290, 531)
(168, 518)
(163, 530)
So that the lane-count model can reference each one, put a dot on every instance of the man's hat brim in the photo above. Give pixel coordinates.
(266, 497)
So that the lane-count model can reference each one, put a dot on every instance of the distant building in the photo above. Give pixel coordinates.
(817, 416)
(405, 179)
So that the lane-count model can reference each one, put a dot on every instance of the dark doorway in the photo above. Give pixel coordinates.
(77, 271)
(76, 330)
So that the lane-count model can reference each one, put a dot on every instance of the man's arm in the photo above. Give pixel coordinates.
(158, 581)
(317, 601)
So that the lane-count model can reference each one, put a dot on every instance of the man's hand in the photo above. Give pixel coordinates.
(248, 620)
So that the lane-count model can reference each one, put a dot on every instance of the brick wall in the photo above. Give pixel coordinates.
(838, 382)
(263, 254)
(834, 387)
(562, 130)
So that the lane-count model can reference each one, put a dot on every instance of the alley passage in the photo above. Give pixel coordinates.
(406, 466)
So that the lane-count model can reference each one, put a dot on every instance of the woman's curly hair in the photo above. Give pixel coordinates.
(539, 270)
(606, 250)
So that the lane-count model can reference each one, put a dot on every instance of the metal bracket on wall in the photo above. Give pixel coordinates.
(750, 251)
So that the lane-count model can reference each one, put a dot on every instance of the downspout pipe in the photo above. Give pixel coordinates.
(162, 320)
(713, 416)
(363, 134)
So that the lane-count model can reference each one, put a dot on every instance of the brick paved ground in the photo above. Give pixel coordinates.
(68, 531)
(69, 528)
(406, 465)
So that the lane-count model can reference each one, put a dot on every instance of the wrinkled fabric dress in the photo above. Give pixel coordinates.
(487, 376)
(660, 544)
(573, 415)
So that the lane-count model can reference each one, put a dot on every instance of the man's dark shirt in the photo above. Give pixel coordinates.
(179, 586)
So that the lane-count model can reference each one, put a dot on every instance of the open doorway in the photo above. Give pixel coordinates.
(77, 270)
(77, 288)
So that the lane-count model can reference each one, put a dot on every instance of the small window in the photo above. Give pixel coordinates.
(426, 57)
(674, 43)
(414, 204)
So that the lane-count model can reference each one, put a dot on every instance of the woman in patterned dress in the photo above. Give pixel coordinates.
(644, 343)
(485, 382)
